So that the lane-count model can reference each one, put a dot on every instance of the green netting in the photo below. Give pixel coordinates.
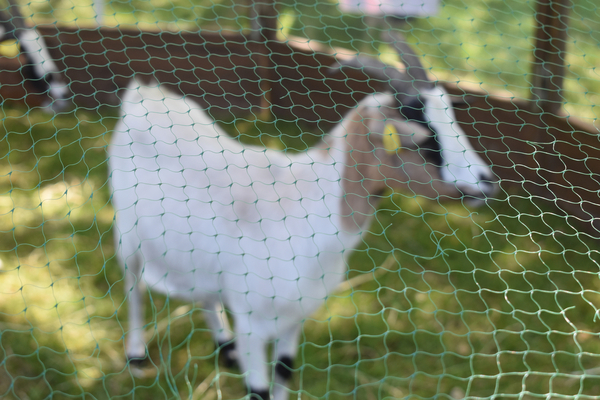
(443, 300)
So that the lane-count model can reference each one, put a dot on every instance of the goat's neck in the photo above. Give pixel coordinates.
(360, 180)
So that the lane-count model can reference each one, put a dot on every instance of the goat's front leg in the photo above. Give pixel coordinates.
(135, 345)
(216, 318)
(286, 349)
(252, 356)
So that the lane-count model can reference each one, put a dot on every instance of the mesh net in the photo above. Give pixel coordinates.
(442, 300)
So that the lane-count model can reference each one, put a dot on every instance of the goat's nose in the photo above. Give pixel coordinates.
(487, 185)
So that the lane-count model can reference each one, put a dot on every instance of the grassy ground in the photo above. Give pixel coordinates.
(444, 302)
(493, 302)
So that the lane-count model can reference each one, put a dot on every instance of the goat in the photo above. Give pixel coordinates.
(265, 233)
(39, 73)
(428, 104)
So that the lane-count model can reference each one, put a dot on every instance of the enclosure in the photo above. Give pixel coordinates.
(442, 300)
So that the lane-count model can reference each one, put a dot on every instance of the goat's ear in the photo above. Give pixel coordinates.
(9, 48)
(400, 133)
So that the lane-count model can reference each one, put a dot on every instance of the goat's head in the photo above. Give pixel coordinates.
(426, 107)
(417, 142)
(430, 105)
(27, 72)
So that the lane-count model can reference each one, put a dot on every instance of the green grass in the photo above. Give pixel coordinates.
(495, 302)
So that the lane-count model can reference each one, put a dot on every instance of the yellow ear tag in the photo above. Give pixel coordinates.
(9, 48)
(391, 139)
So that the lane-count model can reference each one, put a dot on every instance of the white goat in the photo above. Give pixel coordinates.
(263, 232)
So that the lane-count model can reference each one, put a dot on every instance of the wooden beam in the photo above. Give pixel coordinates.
(264, 24)
(264, 31)
(549, 55)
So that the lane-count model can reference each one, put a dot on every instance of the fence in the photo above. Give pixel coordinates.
(442, 300)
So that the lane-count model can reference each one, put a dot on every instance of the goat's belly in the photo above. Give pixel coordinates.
(179, 255)
(281, 287)
(178, 273)
(195, 285)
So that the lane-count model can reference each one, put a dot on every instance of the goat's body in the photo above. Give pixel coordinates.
(195, 208)
(209, 225)
(204, 218)
(235, 201)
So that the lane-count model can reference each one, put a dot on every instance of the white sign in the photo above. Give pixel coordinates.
(400, 8)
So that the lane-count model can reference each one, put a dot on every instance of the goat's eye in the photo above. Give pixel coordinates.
(431, 151)
(413, 111)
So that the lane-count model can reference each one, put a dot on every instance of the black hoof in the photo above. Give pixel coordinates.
(285, 367)
(228, 355)
(137, 361)
(259, 394)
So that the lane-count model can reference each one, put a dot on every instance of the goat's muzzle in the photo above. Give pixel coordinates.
(476, 195)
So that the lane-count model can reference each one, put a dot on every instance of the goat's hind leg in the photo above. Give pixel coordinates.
(216, 318)
(252, 356)
(286, 348)
(135, 345)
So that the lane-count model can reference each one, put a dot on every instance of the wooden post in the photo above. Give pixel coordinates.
(549, 55)
(264, 30)
(264, 24)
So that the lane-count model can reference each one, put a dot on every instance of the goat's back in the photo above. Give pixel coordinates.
(203, 211)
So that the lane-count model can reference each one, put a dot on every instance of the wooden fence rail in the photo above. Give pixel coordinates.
(542, 154)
